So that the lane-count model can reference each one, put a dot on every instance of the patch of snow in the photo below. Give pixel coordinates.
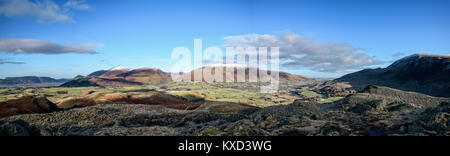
(120, 68)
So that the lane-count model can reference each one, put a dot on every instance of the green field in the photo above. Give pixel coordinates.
(310, 94)
(329, 100)
(226, 95)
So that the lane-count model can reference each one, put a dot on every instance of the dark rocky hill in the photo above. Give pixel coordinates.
(427, 74)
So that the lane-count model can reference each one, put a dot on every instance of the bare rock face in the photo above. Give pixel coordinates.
(26, 105)
(427, 74)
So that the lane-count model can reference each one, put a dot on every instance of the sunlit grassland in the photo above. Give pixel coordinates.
(310, 94)
(329, 100)
(320, 98)
(225, 95)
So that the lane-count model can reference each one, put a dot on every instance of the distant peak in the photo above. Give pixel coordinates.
(119, 68)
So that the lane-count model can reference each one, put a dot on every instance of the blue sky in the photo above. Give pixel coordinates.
(142, 33)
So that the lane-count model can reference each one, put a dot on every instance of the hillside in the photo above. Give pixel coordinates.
(379, 99)
(26, 105)
(132, 77)
(144, 75)
(95, 81)
(427, 74)
(120, 77)
(283, 76)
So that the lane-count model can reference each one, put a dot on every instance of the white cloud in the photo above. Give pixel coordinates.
(34, 46)
(399, 54)
(44, 11)
(77, 5)
(5, 61)
(303, 52)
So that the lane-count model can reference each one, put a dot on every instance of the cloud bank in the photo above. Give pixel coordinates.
(34, 46)
(302, 52)
(44, 11)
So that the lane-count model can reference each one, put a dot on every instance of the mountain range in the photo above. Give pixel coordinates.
(118, 77)
(283, 76)
(31, 81)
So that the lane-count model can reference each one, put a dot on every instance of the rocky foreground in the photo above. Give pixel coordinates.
(376, 111)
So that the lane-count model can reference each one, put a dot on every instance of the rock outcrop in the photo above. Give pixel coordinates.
(377, 98)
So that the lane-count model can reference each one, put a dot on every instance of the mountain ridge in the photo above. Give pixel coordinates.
(132, 77)
(423, 73)
(31, 81)
(283, 76)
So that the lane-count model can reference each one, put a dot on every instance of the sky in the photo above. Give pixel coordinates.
(319, 39)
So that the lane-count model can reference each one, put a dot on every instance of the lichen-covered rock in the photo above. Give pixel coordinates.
(245, 128)
(438, 119)
(18, 128)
